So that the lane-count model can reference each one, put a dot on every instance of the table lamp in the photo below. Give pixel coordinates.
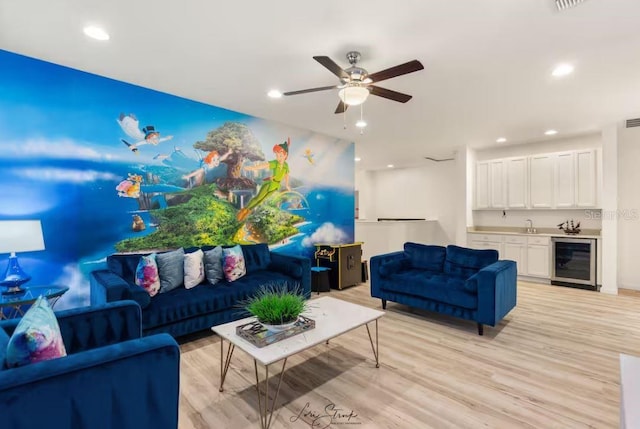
(18, 236)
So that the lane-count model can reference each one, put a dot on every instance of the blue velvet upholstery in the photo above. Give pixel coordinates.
(183, 311)
(111, 377)
(470, 284)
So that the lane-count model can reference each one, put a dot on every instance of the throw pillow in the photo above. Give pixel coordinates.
(147, 274)
(36, 338)
(193, 269)
(233, 263)
(170, 269)
(213, 265)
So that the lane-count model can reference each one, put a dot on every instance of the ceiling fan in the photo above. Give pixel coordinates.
(356, 83)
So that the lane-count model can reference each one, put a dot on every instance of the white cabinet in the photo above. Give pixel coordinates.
(538, 257)
(497, 179)
(586, 187)
(482, 185)
(541, 181)
(485, 241)
(515, 249)
(564, 194)
(517, 183)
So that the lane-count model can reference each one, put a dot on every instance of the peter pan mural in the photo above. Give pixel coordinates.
(112, 167)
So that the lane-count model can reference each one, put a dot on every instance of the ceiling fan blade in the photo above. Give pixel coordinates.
(332, 67)
(391, 95)
(410, 67)
(304, 91)
(341, 107)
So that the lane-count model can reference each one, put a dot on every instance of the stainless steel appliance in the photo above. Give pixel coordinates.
(574, 262)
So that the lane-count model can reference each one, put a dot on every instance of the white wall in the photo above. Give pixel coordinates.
(428, 192)
(628, 213)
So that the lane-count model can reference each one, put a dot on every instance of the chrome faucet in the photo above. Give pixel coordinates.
(530, 228)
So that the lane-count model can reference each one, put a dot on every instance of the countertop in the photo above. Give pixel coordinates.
(542, 232)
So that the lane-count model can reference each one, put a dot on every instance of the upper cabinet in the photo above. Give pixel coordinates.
(548, 181)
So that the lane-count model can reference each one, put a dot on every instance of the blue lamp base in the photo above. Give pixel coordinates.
(14, 277)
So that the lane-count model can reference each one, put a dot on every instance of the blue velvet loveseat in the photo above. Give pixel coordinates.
(112, 377)
(465, 283)
(183, 311)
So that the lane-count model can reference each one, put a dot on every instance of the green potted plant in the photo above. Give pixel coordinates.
(276, 307)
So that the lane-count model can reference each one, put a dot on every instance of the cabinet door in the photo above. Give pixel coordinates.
(495, 245)
(541, 181)
(516, 252)
(497, 185)
(586, 189)
(482, 185)
(564, 180)
(538, 260)
(517, 183)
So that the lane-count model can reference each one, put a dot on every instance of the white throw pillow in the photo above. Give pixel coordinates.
(193, 269)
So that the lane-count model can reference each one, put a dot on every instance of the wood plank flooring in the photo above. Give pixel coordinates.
(552, 363)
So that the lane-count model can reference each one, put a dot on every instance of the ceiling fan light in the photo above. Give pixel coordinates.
(353, 95)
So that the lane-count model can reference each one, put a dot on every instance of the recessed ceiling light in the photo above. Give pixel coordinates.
(95, 33)
(390, 165)
(550, 133)
(357, 158)
(562, 70)
(501, 140)
(274, 93)
(361, 124)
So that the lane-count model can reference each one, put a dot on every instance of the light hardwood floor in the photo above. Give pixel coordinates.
(552, 363)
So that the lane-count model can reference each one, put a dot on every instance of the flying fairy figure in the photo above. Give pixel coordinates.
(279, 172)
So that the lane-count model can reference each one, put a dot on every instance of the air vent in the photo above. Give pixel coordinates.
(633, 123)
(566, 4)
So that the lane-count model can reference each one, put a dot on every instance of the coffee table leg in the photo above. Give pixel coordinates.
(375, 349)
(266, 413)
(224, 367)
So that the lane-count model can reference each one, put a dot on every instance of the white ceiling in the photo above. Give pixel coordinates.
(487, 62)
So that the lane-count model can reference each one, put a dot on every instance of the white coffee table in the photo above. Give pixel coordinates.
(333, 317)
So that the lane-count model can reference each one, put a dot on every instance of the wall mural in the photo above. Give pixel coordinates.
(112, 167)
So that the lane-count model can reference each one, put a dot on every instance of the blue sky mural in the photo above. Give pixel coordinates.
(108, 166)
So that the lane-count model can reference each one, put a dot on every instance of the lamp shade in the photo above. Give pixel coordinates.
(21, 236)
(353, 95)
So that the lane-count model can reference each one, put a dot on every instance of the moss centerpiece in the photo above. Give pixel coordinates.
(276, 307)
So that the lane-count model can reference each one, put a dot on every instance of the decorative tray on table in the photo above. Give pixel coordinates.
(259, 336)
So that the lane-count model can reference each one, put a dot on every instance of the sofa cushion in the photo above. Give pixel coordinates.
(390, 267)
(233, 264)
(124, 266)
(171, 269)
(432, 285)
(181, 304)
(147, 274)
(256, 256)
(36, 338)
(464, 262)
(213, 265)
(4, 340)
(425, 256)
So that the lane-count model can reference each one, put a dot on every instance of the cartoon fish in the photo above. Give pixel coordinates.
(309, 156)
(131, 127)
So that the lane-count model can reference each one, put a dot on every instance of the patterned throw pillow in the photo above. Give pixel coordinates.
(170, 269)
(147, 274)
(233, 263)
(213, 265)
(193, 269)
(36, 338)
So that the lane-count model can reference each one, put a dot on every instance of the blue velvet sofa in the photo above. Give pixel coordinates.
(112, 377)
(183, 311)
(465, 283)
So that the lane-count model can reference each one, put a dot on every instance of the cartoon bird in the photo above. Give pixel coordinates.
(309, 156)
(131, 127)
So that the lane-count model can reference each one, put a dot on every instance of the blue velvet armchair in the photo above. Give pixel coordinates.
(112, 377)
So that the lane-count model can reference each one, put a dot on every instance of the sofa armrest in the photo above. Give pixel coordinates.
(297, 267)
(131, 384)
(497, 291)
(375, 263)
(106, 286)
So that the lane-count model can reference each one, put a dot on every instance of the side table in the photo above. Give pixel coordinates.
(12, 306)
